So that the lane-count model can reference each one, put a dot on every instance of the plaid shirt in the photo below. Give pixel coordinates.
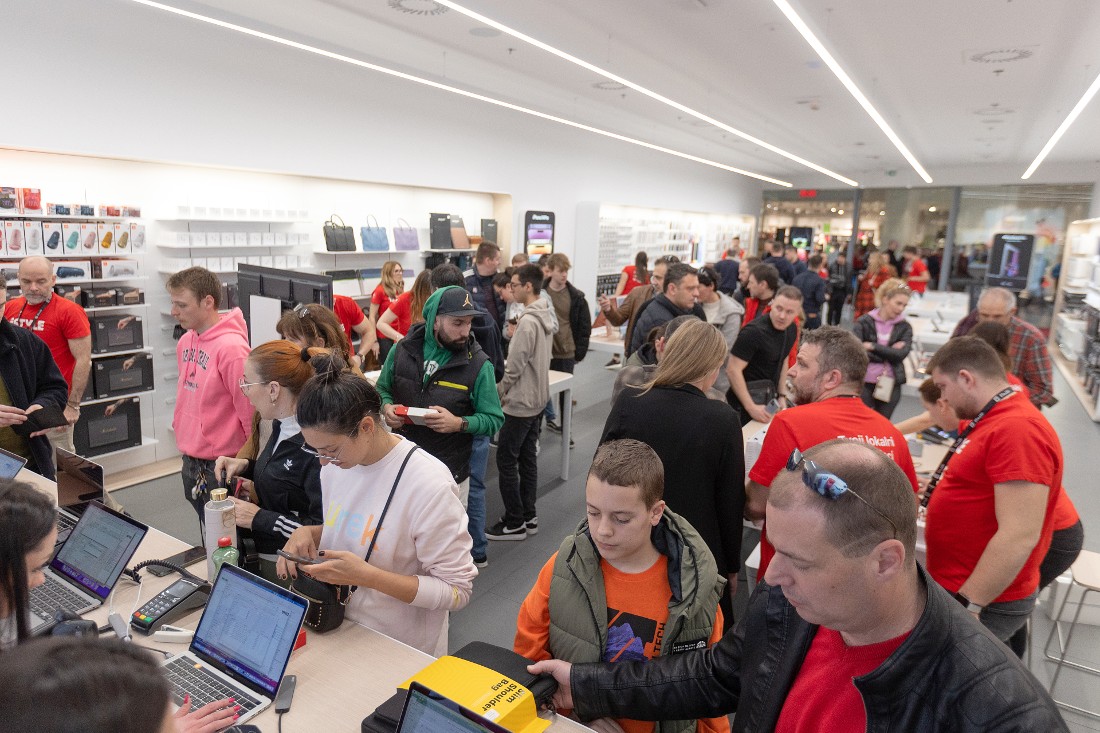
(1030, 358)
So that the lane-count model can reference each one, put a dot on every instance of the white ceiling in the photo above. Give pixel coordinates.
(741, 62)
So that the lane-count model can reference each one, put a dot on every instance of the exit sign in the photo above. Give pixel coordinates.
(807, 193)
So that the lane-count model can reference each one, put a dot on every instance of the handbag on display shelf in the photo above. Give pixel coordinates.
(374, 237)
(338, 237)
(459, 239)
(405, 238)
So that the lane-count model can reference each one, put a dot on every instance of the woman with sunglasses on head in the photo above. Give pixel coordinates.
(887, 337)
(393, 525)
(286, 484)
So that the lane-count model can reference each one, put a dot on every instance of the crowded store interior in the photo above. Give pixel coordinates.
(639, 367)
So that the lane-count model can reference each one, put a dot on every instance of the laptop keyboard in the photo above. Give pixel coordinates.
(53, 595)
(203, 686)
(64, 523)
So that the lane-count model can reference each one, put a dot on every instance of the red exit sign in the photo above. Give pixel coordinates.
(807, 193)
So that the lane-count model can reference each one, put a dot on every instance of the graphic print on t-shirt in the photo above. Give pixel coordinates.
(631, 638)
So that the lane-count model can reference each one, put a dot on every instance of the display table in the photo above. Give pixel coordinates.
(609, 344)
(342, 675)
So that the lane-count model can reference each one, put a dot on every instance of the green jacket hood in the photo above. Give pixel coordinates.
(430, 308)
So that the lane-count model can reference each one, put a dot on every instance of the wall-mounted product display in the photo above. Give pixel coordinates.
(538, 233)
(120, 376)
(1075, 331)
(106, 427)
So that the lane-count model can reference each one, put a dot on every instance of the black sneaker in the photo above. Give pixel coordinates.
(553, 425)
(532, 525)
(481, 562)
(509, 534)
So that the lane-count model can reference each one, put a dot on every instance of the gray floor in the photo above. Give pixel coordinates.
(501, 587)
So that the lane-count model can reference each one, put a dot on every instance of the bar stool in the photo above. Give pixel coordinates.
(1086, 574)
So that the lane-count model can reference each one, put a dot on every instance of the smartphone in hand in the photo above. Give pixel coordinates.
(299, 559)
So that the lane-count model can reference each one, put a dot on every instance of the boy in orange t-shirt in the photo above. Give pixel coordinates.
(607, 594)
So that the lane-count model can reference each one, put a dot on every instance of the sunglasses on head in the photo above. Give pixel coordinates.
(828, 485)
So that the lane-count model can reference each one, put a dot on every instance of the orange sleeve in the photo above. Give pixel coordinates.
(533, 622)
(720, 724)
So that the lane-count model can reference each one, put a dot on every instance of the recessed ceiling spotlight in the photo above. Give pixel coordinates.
(483, 32)
(833, 209)
(840, 211)
(609, 86)
(418, 7)
(932, 209)
(882, 213)
(1001, 55)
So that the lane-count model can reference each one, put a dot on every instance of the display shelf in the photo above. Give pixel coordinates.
(117, 397)
(145, 442)
(327, 253)
(75, 280)
(233, 219)
(113, 308)
(429, 252)
(57, 217)
(169, 245)
(85, 256)
(1069, 371)
(112, 354)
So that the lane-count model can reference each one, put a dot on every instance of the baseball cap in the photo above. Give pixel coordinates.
(456, 302)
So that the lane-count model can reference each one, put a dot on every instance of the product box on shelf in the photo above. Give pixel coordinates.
(89, 238)
(280, 262)
(105, 234)
(213, 239)
(111, 267)
(122, 375)
(108, 426)
(130, 296)
(99, 297)
(10, 272)
(83, 210)
(13, 239)
(70, 237)
(132, 211)
(58, 209)
(267, 239)
(109, 210)
(121, 230)
(345, 282)
(53, 237)
(75, 293)
(73, 269)
(137, 237)
(255, 239)
(228, 239)
(9, 201)
(32, 237)
(280, 239)
(117, 332)
(32, 200)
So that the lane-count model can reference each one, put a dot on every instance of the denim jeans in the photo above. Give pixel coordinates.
(475, 505)
(518, 468)
(1006, 618)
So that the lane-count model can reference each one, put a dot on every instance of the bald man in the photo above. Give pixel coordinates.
(63, 325)
(1027, 345)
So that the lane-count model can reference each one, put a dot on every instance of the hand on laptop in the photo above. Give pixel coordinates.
(210, 718)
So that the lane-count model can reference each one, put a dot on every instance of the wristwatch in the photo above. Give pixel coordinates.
(465, 425)
(970, 605)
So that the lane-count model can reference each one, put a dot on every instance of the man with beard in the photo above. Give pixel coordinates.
(439, 366)
(64, 326)
(824, 382)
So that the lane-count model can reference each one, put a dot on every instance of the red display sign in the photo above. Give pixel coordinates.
(807, 193)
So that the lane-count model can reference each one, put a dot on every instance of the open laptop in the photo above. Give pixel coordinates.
(427, 711)
(242, 644)
(79, 482)
(89, 563)
(10, 464)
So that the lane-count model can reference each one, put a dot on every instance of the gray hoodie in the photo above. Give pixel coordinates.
(525, 388)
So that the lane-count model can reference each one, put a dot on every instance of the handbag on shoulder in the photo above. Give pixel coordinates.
(338, 237)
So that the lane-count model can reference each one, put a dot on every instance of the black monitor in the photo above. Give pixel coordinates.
(288, 287)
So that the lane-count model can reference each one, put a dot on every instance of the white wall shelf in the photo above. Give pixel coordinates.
(145, 442)
(76, 256)
(77, 280)
(114, 308)
(117, 397)
(390, 252)
(112, 354)
(168, 245)
(55, 217)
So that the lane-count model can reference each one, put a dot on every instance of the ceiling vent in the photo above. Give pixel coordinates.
(993, 111)
(609, 86)
(418, 7)
(1001, 55)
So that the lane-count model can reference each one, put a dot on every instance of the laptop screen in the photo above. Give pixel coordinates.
(78, 479)
(10, 464)
(249, 627)
(429, 712)
(97, 551)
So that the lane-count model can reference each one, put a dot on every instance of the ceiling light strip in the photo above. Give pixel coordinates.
(850, 85)
(1070, 118)
(643, 90)
(454, 90)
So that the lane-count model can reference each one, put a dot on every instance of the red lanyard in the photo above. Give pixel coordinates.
(1002, 395)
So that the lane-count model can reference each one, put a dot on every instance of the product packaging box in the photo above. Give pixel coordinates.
(137, 237)
(239, 239)
(122, 237)
(9, 201)
(213, 239)
(225, 239)
(267, 239)
(133, 212)
(195, 262)
(229, 264)
(267, 261)
(280, 239)
(255, 239)
(70, 237)
(89, 239)
(75, 293)
(32, 200)
(32, 237)
(183, 239)
(130, 296)
(53, 237)
(280, 262)
(198, 239)
(119, 268)
(74, 270)
(110, 210)
(14, 245)
(57, 209)
(106, 236)
(99, 297)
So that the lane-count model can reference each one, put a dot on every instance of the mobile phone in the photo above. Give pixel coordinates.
(50, 416)
(190, 556)
(772, 407)
(299, 559)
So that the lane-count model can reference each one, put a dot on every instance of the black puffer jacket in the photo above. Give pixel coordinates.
(949, 675)
(866, 331)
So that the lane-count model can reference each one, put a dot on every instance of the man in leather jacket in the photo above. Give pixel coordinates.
(846, 633)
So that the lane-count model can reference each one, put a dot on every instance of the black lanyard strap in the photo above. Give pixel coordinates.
(932, 482)
(36, 315)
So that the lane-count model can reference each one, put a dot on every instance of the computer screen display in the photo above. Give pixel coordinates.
(10, 464)
(429, 712)
(97, 551)
(78, 479)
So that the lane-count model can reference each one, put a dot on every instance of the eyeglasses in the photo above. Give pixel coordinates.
(321, 456)
(242, 384)
(827, 484)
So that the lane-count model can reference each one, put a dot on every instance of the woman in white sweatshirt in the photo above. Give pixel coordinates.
(420, 566)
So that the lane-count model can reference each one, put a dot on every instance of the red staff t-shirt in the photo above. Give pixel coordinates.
(805, 426)
(348, 313)
(823, 696)
(1013, 442)
(916, 269)
(55, 322)
(402, 310)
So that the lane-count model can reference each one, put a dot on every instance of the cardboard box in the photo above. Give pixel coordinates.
(240, 239)
(99, 297)
(137, 237)
(58, 209)
(280, 262)
(280, 239)
(255, 239)
(31, 200)
(75, 293)
(122, 237)
(53, 237)
(106, 235)
(74, 270)
(213, 239)
(119, 268)
(130, 296)
(110, 210)
(89, 239)
(228, 239)
(70, 237)
(32, 237)
(9, 201)
(13, 239)
(267, 239)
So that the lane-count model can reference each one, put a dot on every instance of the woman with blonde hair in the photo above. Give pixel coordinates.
(407, 310)
(888, 338)
(392, 285)
(878, 271)
(698, 439)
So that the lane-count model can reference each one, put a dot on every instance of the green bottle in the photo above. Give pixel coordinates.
(226, 553)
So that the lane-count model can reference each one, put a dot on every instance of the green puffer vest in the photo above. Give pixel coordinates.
(578, 602)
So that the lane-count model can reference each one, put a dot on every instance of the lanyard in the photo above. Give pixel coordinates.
(1000, 396)
(36, 315)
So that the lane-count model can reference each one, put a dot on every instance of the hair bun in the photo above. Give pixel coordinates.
(304, 353)
(328, 366)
